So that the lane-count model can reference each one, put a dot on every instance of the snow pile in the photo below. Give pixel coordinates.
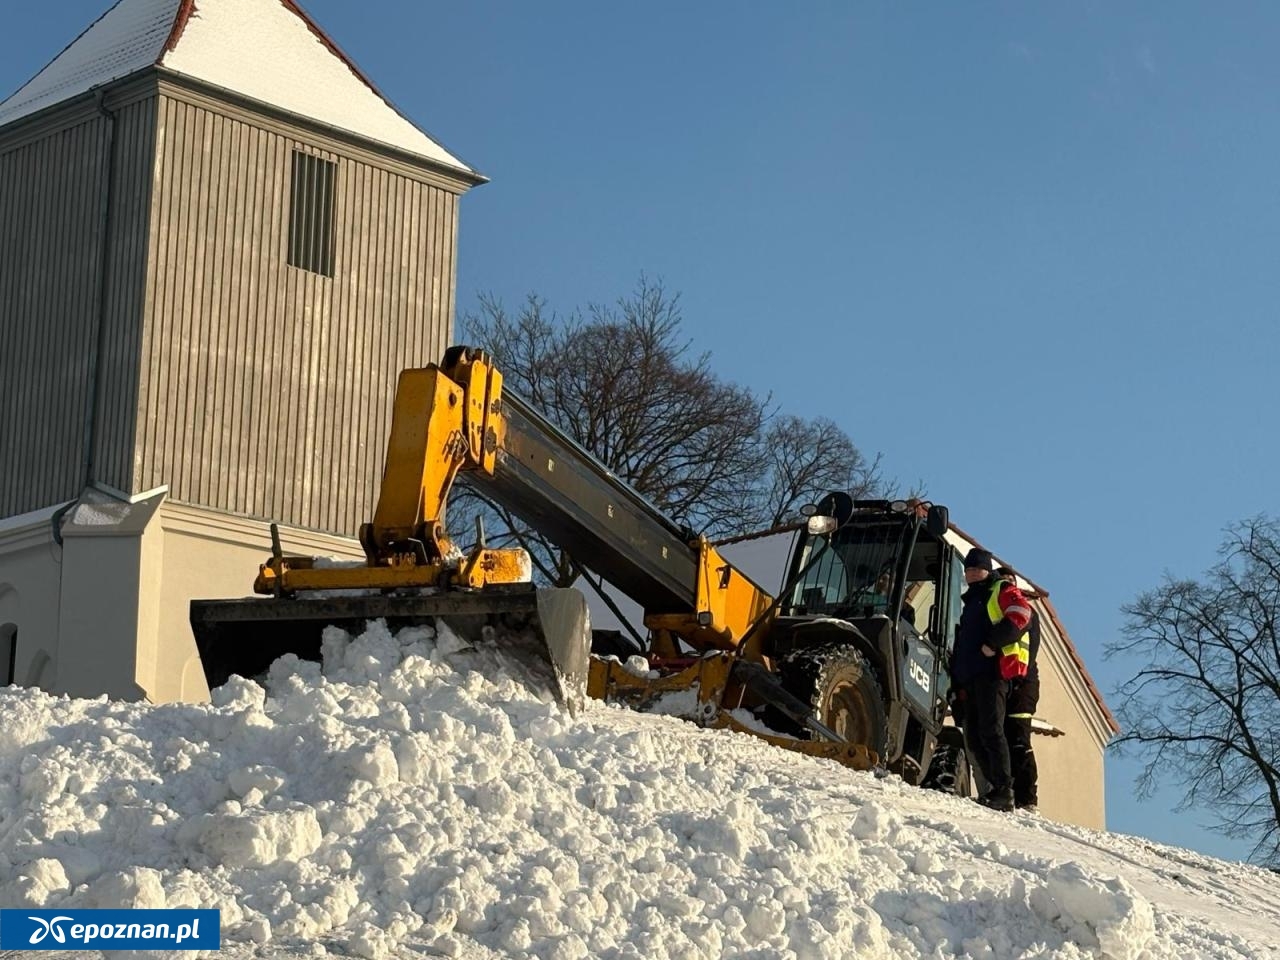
(1106, 913)
(412, 797)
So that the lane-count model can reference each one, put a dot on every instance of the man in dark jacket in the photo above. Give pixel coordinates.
(1024, 695)
(989, 648)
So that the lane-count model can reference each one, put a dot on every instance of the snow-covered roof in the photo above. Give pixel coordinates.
(268, 50)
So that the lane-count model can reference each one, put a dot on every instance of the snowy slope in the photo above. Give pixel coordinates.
(407, 804)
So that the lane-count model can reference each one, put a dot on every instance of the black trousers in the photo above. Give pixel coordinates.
(1024, 695)
(984, 711)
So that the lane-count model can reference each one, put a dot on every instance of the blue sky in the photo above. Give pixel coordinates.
(1026, 251)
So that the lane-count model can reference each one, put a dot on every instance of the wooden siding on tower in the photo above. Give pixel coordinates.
(266, 389)
(54, 291)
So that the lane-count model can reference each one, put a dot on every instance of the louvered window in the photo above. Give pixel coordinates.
(311, 214)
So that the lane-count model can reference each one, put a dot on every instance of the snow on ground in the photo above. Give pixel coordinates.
(416, 800)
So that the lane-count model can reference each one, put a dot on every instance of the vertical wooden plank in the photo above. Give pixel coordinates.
(275, 385)
(330, 361)
(229, 469)
(29, 233)
(163, 280)
(283, 357)
(439, 255)
(73, 299)
(126, 286)
(103, 453)
(58, 192)
(266, 386)
(175, 308)
(42, 414)
(287, 361)
(257, 398)
(10, 329)
(413, 270)
(449, 269)
(379, 363)
(210, 330)
(354, 467)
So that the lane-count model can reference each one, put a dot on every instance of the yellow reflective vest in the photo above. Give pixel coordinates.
(1015, 656)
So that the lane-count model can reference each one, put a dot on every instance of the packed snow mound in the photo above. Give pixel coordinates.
(410, 796)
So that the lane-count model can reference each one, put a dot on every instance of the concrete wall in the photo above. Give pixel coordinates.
(30, 578)
(211, 555)
(106, 612)
(104, 548)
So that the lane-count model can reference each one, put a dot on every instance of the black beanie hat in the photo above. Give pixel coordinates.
(981, 559)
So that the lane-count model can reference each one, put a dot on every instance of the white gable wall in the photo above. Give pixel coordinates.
(277, 59)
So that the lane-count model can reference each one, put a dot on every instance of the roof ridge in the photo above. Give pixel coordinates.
(185, 8)
(269, 51)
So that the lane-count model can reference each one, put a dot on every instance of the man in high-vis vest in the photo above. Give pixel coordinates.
(1024, 696)
(991, 648)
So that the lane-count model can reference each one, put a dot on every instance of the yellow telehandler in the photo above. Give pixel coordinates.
(847, 662)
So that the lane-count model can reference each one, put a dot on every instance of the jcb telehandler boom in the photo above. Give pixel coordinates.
(715, 636)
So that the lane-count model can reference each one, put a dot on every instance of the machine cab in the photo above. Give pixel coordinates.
(888, 570)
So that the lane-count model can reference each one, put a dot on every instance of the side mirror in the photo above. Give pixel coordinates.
(837, 505)
(937, 521)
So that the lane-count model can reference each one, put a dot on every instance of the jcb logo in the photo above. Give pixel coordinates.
(919, 675)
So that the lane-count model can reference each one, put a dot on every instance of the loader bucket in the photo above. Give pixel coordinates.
(545, 631)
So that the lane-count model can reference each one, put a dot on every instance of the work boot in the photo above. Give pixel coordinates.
(1001, 800)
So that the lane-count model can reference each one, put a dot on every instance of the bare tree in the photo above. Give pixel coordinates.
(622, 380)
(1205, 706)
(806, 458)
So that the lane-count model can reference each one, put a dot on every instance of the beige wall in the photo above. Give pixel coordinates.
(106, 613)
(104, 544)
(211, 555)
(1072, 782)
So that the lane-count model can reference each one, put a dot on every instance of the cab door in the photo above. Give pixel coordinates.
(946, 613)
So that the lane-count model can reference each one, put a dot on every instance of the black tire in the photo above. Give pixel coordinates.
(949, 771)
(839, 684)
